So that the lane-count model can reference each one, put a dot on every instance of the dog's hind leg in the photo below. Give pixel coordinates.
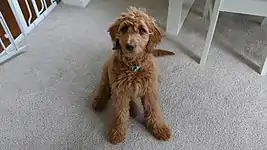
(103, 92)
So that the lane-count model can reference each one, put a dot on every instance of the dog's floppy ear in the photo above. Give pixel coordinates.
(155, 35)
(113, 30)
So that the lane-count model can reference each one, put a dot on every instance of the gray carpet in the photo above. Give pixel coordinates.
(222, 105)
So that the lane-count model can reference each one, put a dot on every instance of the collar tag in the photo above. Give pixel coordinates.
(135, 68)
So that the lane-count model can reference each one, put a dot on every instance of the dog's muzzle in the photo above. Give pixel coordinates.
(130, 47)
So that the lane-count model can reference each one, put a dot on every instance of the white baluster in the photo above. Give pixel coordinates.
(42, 9)
(45, 4)
(30, 12)
(3, 45)
(7, 31)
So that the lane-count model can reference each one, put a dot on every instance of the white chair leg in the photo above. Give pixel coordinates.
(211, 2)
(206, 9)
(174, 16)
(212, 26)
(264, 22)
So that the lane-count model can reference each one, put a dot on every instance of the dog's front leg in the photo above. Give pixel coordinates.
(120, 117)
(154, 121)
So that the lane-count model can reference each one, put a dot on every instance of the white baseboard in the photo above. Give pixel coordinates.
(79, 3)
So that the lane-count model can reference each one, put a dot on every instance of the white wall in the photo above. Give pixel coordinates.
(80, 3)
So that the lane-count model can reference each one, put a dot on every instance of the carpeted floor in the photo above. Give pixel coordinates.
(44, 92)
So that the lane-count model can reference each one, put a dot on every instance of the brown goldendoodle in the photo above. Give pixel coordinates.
(131, 72)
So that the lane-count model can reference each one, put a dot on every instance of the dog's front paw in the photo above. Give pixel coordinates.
(116, 135)
(97, 105)
(161, 132)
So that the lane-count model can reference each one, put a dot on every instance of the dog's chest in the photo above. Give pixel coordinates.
(134, 82)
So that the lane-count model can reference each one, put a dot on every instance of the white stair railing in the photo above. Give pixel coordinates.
(28, 24)
(25, 25)
(11, 50)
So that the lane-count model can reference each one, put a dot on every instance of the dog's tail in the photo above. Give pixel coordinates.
(160, 53)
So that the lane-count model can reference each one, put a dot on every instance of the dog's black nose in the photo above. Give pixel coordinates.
(130, 47)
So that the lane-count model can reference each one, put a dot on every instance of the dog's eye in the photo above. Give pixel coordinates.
(124, 29)
(142, 30)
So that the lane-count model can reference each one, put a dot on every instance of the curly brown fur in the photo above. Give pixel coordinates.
(138, 35)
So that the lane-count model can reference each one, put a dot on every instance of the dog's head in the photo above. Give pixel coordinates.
(135, 32)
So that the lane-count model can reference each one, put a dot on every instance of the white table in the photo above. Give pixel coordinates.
(177, 13)
(250, 7)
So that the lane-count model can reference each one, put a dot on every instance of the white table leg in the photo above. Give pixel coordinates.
(264, 22)
(174, 16)
(264, 67)
(209, 37)
(263, 70)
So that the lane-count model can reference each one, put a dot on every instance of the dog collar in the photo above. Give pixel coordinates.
(135, 68)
